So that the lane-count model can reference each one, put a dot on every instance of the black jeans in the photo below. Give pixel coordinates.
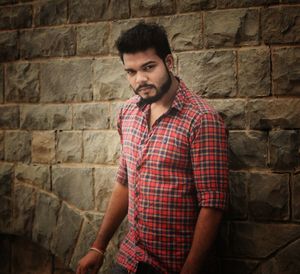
(143, 268)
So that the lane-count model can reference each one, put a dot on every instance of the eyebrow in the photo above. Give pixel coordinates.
(143, 65)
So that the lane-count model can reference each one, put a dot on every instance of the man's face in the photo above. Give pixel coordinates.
(147, 74)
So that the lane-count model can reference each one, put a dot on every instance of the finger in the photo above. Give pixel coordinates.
(95, 270)
(78, 270)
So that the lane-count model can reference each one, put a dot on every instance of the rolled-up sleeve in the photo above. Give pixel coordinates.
(209, 155)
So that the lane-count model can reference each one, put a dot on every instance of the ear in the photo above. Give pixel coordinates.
(169, 61)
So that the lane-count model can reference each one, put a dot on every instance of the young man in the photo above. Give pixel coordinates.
(173, 176)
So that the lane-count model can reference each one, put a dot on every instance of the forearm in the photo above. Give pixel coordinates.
(115, 214)
(205, 233)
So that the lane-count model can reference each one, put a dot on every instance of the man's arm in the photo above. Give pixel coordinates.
(205, 233)
(115, 214)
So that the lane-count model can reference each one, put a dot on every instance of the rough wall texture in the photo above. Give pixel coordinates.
(61, 84)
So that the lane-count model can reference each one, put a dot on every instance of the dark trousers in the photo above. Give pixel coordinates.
(143, 268)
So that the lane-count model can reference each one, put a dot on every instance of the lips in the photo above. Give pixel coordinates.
(144, 88)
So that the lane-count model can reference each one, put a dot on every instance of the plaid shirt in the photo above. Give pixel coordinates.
(172, 170)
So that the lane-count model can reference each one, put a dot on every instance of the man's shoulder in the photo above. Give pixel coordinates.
(130, 105)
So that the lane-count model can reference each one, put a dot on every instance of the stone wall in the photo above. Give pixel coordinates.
(61, 84)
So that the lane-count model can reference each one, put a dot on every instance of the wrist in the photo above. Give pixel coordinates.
(98, 251)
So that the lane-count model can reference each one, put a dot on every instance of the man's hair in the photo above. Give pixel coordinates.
(144, 36)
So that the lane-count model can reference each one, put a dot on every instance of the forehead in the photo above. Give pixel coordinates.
(141, 57)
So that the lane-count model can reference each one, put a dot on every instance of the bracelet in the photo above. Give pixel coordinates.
(101, 252)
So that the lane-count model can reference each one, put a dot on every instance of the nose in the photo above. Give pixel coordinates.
(141, 78)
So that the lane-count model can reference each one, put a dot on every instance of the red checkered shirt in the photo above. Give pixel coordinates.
(171, 170)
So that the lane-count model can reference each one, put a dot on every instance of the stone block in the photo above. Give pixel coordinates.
(50, 13)
(5, 264)
(23, 208)
(43, 147)
(105, 179)
(29, 257)
(260, 240)
(22, 83)
(110, 80)
(214, 73)
(238, 188)
(1, 84)
(286, 261)
(93, 39)
(244, 3)
(274, 113)
(195, 5)
(5, 218)
(69, 146)
(247, 149)
(250, 82)
(92, 10)
(114, 112)
(6, 179)
(74, 185)
(280, 25)
(91, 116)
(101, 147)
(15, 17)
(269, 196)
(285, 71)
(184, 31)
(9, 46)
(9, 117)
(284, 149)
(1, 145)
(235, 28)
(47, 42)
(238, 266)
(296, 197)
(43, 117)
(232, 111)
(141, 8)
(36, 175)
(69, 81)
(45, 219)
(17, 146)
(66, 233)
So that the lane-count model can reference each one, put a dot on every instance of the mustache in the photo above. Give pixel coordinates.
(138, 89)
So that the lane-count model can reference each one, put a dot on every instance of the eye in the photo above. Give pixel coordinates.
(130, 72)
(148, 67)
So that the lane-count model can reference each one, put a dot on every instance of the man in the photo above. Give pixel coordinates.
(173, 176)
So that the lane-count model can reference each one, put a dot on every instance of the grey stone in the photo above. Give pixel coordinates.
(1, 145)
(214, 72)
(5, 217)
(22, 84)
(286, 71)
(69, 146)
(184, 31)
(238, 266)
(50, 13)
(74, 185)
(1, 84)
(141, 8)
(284, 149)
(235, 28)
(43, 147)
(91, 116)
(244, 3)
(46, 117)
(269, 196)
(45, 219)
(115, 109)
(24, 206)
(238, 187)
(93, 39)
(247, 149)
(260, 240)
(92, 10)
(274, 113)
(17, 146)
(105, 179)
(232, 111)
(36, 175)
(194, 5)
(254, 72)
(6, 179)
(9, 46)
(47, 42)
(286, 261)
(9, 117)
(296, 197)
(110, 80)
(280, 25)
(66, 233)
(101, 147)
(66, 81)
(15, 17)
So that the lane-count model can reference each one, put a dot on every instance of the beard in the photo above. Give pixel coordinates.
(160, 92)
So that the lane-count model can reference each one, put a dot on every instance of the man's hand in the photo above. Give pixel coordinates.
(91, 261)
